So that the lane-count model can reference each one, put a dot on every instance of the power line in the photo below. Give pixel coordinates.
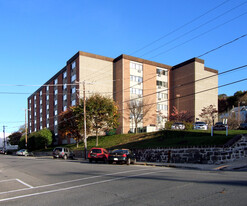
(222, 45)
(207, 22)
(180, 27)
(216, 27)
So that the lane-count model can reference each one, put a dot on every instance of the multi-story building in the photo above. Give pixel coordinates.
(188, 86)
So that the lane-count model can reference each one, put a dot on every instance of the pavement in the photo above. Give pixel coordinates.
(236, 165)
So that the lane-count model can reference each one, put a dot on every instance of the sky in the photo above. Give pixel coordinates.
(37, 37)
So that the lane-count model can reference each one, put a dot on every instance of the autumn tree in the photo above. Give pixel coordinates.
(138, 110)
(14, 138)
(101, 113)
(71, 125)
(180, 116)
(209, 113)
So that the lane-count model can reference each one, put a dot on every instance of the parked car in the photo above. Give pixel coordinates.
(220, 126)
(98, 154)
(243, 126)
(24, 152)
(63, 152)
(200, 126)
(178, 125)
(122, 156)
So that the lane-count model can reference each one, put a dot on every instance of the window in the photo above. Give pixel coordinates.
(34, 97)
(40, 110)
(55, 91)
(73, 102)
(136, 91)
(55, 102)
(47, 88)
(136, 66)
(40, 101)
(40, 119)
(40, 93)
(64, 108)
(160, 83)
(55, 112)
(73, 65)
(41, 127)
(64, 86)
(35, 105)
(136, 79)
(160, 72)
(47, 125)
(161, 107)
(55, 81)
(73, 78)
(55, 122)
(30, 101)
(73, 90)
(64, 74)
(47, 97)
(64, 97)
(47, 116)
(47, 106)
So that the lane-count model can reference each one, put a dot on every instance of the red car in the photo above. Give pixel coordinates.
(98, 154)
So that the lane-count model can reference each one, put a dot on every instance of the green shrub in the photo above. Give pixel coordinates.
(168, 124)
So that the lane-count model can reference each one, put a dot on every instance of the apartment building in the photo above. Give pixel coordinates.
(188, 86)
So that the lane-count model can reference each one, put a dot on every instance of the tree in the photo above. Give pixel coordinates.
(209, 113)
(37, 140)
(101, 113)
(71, 125)
(180, 116)
(14, 138)
(138, 110)
(43, 138)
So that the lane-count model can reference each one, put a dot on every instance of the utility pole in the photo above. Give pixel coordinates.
(4, 141)
(26, 128)
(85, 122)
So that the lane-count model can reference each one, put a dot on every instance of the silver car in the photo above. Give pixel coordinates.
(200, 126)
(178, 125)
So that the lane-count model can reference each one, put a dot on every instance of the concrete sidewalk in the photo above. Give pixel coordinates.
(229, 166)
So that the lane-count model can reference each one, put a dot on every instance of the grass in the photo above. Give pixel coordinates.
(161, 139)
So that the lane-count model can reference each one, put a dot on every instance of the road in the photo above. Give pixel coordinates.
(29, 181)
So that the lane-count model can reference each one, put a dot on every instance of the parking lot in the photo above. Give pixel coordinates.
(27, 180)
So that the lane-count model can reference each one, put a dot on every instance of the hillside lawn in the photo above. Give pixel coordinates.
(161, 139)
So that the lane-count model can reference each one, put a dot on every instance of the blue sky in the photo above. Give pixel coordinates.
(38, 36)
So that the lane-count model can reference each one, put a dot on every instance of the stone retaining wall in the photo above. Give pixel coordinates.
(203, 155)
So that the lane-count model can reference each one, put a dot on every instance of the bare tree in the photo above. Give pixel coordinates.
(209, 113)
(138, 110)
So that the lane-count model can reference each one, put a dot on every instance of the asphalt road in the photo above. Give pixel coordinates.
(29, 181)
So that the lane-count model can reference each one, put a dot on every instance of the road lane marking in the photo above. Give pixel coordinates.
(70, 181)
(24, 183)
(8, 180)
(77, 186)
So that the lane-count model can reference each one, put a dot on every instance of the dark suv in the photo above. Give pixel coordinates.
(63, 152)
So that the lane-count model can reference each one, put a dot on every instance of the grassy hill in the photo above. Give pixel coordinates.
(162, 139)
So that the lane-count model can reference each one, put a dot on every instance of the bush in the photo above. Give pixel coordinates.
(188, 125)
(37, 140)
(168, 124)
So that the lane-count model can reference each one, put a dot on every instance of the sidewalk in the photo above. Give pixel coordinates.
(229, 166)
